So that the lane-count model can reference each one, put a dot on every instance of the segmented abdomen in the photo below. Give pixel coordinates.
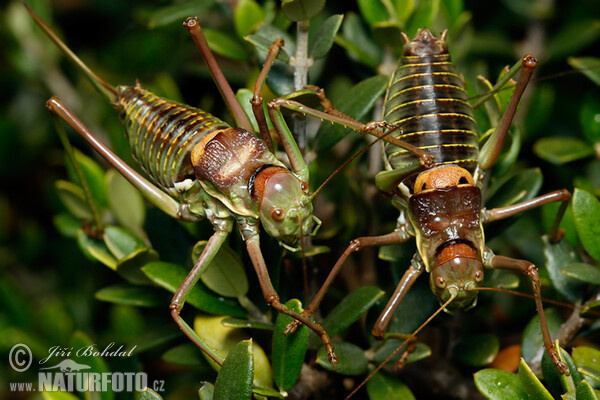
(427, 99)
(163, 133)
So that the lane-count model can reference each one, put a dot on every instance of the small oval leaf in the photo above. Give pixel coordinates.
(288, 350)
(561, 150)
(583, 272)
(133, 295)
(385, 387)
(301, 10)
(234, 381)
(477, 350)
(351, 359)
(495, 384)
(586, 210)
(325, 36)
(532, 384)
(170, 276)
(125, 202)
(225, 274)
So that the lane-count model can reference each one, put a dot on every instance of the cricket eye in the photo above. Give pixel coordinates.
(440, 282)
(478, 276)
(277, 214)
(304, 187)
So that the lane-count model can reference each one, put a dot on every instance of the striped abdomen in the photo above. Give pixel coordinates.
(426, 97)
(163, 133)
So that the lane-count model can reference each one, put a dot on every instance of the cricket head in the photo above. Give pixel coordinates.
(445, 211)
(458, 273)
(285, 206)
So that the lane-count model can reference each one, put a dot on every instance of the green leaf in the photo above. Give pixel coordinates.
(247, 17)
(357, 41)
(225, 45)
(519, 187)
(592, 374)
(261, 391)
(562, 149)
(420, 352)
(301, 10)
(149, 394)
(67, 224)
(477, 350)
(225, 274)
(495, 384)
(264, 37)
(206, 391)
(350, 309)
(223, 339)
(356, 104)
(130, 267)
(586, 210)
(170, 277)
(133, 295)
(351, 359)
(532, 384)
(121, 242)
(58, 395)
(234, 381)
(288, 350)
(185, 354)
(385, 387)
(584, 356)
(125, 202)
(325, 36)
(556, 382)
(373, 11)
(93, 175)
(583, 272)
(73, 199)
(404, 9)
(96, 249)
(589, 66)
(585, 391)
(557, 256)
(531, 342)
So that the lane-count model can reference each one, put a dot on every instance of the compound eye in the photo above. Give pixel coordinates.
(440, 282)
(478, 276)
(304, 187)
(277, 214)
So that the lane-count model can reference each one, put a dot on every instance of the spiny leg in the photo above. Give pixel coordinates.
(529, 269)
(253, 247)
(193, 26)
(504, 212)
(491, 149)
(374, 128)
(394, 237)
(156, 196)
(210, 250)
(257, 101)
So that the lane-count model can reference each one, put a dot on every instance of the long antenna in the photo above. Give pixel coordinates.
(104, 88)
(412, 335)
(530, 296)
(348, 161)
